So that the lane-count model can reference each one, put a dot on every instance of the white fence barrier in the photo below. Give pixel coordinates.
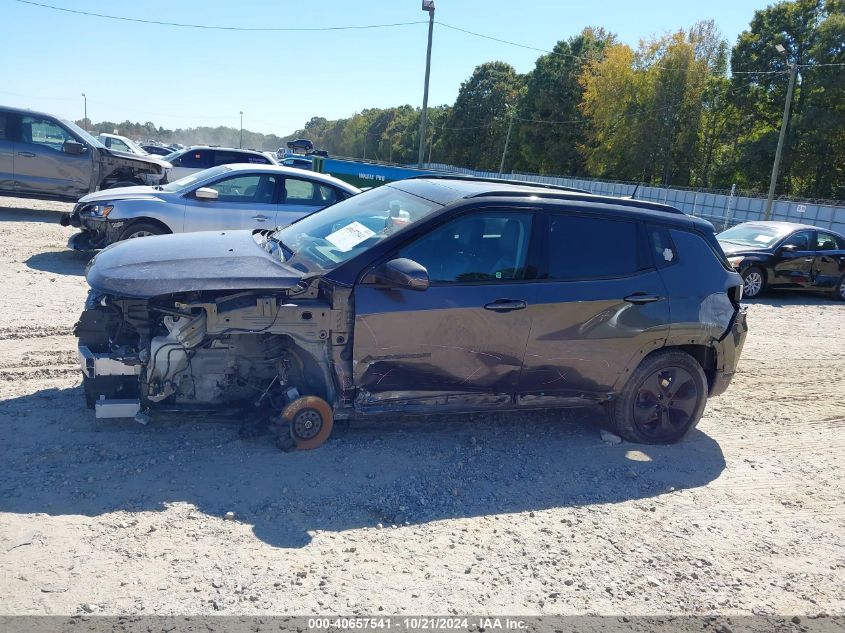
(720, 209)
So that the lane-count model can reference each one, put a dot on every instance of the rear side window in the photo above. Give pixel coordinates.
(196, 159)
(585, 247)
(2, 126)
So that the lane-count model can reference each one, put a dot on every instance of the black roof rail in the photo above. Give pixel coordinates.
(552, 190)
(587, 196)
(501, 181)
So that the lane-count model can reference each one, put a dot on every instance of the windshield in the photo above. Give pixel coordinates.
(82, 134)
(172, 155)
(327, 238)
(756, 235)
(137, 149)
(191, 179)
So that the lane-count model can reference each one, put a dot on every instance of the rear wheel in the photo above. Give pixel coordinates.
(663, 399)
(839, 292)
(753, 282)
(141, 229)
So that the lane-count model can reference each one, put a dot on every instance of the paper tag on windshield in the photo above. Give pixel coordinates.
(349, 236)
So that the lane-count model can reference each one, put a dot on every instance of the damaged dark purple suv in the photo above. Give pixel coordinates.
(428, 295)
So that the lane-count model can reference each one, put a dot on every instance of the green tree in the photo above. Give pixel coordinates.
(474, 132)
(554, 92)
(813, 34)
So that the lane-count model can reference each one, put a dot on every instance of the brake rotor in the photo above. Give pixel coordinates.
(310, 420)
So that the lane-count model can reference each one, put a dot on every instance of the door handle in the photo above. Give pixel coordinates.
(261, 218)
(640, 298)
(506, 305)
(808, 259)
(27, 154)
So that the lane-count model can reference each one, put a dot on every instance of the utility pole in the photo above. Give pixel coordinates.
(241, 143)
(507, 141)
(427, 5)
(85, 120)
(793, 71)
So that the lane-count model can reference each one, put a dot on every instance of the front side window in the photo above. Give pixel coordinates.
(3, 126)
(800, 240)
(586, 247)
(249, 188)
(828, 242)
(45, 133)
(119, 145)
(481, 247)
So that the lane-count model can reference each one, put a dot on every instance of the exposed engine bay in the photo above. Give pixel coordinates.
(251, 352)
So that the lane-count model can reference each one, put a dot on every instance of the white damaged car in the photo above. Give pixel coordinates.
(237, 196)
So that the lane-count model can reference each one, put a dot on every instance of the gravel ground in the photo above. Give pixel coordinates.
(518, 514)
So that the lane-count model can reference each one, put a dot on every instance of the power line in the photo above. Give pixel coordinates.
(215, 27)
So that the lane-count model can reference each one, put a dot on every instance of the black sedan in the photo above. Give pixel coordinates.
(785, 255)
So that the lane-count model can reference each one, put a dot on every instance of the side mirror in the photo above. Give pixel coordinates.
(787, 248)
(206, 193)
(400, 273)
(74, 148)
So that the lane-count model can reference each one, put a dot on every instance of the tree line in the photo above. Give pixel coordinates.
(667, 111)
(682, 109)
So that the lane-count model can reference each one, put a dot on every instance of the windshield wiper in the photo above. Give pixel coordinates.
(286, 250)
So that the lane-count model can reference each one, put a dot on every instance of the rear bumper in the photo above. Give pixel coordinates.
(728, 350)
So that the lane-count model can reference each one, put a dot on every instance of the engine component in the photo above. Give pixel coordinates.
(311, 421)
(169, 354)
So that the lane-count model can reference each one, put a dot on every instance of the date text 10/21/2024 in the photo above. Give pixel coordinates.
(420, 623)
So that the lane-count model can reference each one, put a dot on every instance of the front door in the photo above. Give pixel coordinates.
(245, 201)
(829, 263)
(465, 335)
(599, 302)
(41, 164)
(792, 263)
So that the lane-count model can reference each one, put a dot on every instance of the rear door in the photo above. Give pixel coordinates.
(792, 267)
(41, 164)
(7, 152)
(600, 301)
(301, 197)
(829, 262)
(246, 201)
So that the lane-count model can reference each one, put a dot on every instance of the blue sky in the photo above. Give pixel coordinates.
(178, 77)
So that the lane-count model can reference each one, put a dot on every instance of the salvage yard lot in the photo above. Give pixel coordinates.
(515, 514)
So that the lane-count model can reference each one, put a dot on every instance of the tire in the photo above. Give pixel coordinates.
(753, 282)
(839, 292)
(124, 183)
(311, 421)
(649, 410)
(141, 229)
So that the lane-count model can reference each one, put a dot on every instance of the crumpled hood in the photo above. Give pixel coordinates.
(184, 262)
(735, 249)
(137, 157)
(120, 193)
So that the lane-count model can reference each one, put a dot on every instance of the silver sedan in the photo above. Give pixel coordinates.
(238, 196)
